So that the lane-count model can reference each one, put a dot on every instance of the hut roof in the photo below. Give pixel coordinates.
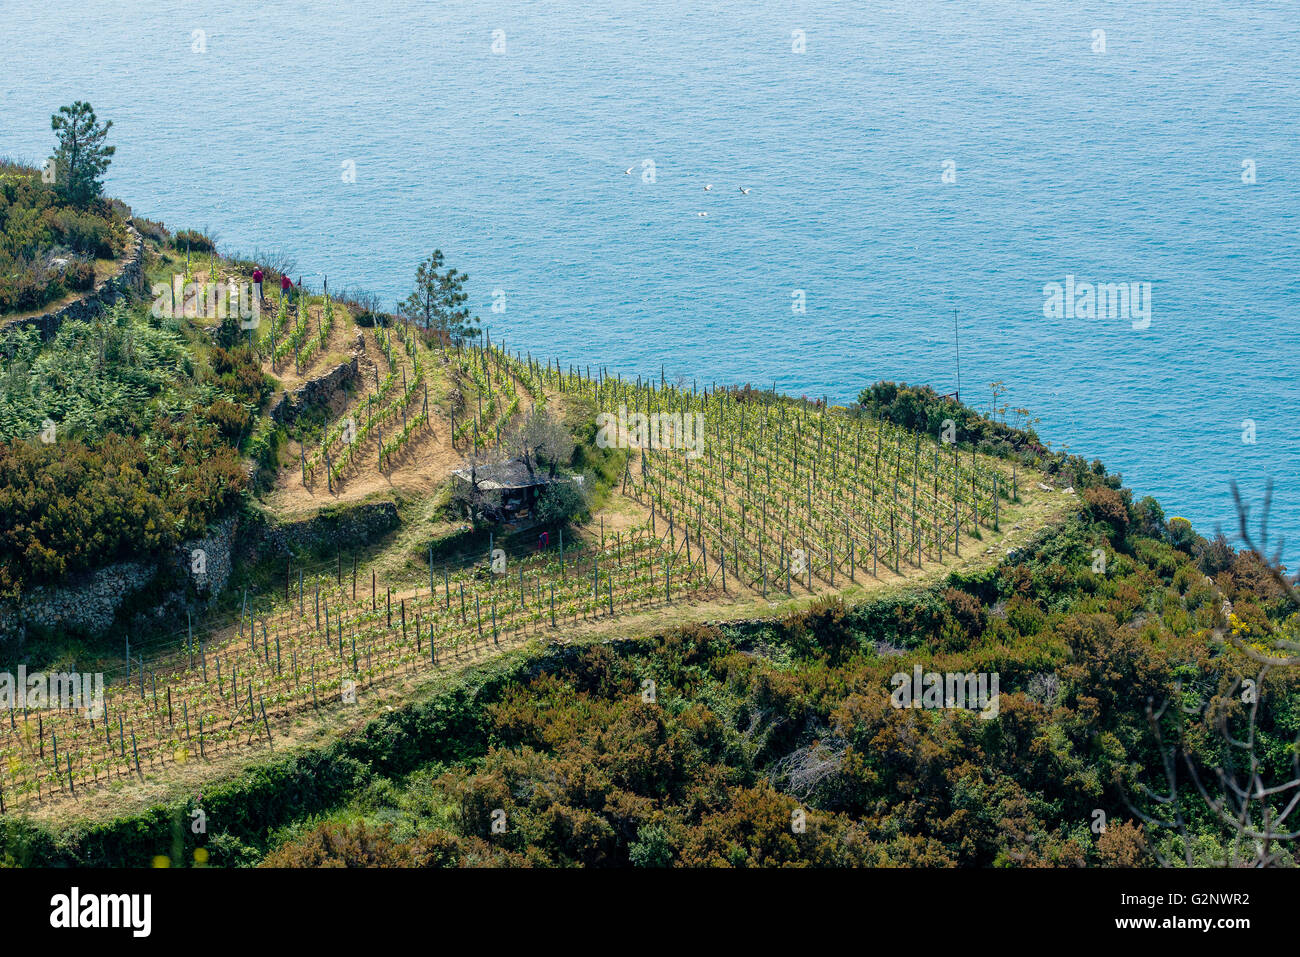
(504, 476)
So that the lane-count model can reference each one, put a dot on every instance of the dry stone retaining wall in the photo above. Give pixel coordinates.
(333, 530)
(318, 390)
(130, 276)
(89, 602)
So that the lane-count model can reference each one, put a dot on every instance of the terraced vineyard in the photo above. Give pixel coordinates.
(297, 332)
(400, 395)
(778, 497)
(397, 407)
(791, 491)
(497, 381)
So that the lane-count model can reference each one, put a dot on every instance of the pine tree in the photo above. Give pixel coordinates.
(437, 303)
(81, 158)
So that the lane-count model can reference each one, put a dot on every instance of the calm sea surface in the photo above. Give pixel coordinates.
(1117, 166)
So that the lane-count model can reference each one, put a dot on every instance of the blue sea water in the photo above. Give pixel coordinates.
(1117, 166)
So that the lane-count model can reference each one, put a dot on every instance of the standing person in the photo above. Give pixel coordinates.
(286, 287)
(257, 283)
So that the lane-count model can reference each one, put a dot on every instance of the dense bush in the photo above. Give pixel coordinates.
(79, 275)
(561, 502)
(823, 629)
(1108, 505)
(239, 372)
(143, 452)
(230, 418)
(37, 227)
(67, 506)
(922, 409)
(193, 240)
(85, 232)
(151, 229)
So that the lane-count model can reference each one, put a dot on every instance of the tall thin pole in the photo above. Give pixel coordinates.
(957, 343)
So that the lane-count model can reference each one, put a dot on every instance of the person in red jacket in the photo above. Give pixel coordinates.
(286, 287)
(257, 283)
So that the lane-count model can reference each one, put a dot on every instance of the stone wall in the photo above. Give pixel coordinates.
(159, 589)
(148, 593)
(210, 560)
(129, 276)
(87, 602)
(335, 529)
(318, 390)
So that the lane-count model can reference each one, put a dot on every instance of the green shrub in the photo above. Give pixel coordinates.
(150, 229)
(652, 848)
(34, 223)
(1108, 506)
(193, 240)
(230, 418)
(25, 285)
(79, 275)
(84, 232)
(561, 502)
